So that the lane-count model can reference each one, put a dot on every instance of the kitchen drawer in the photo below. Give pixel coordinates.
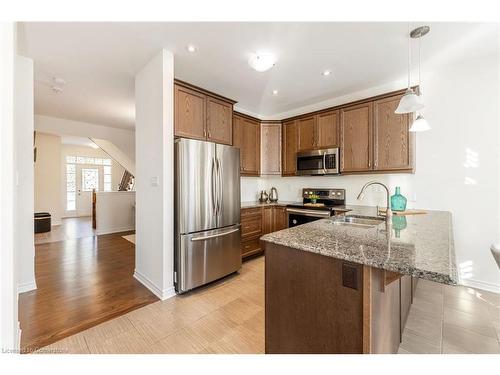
(250, 247)
(251, 226)
(246, 212)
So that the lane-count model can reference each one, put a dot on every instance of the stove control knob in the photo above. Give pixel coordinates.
(294, 221)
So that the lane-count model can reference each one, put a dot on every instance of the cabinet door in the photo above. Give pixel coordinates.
(279, 218)
(392, 139)
(219, 121)
(289, 148)
(189, 113)
(251, 147)
(270, 155)
(328, 130)
(246, 136)
(307, 133)
(267, 219)
(356, 138)
(238, 138)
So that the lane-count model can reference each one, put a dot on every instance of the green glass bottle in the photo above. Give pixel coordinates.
(398, 202)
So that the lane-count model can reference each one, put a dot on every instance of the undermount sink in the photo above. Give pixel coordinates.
(358, 221)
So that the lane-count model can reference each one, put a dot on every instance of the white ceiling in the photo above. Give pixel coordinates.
(99, 61)
(77, 141)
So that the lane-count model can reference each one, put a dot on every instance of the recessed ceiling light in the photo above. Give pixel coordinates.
(191, 48)
(326, 73)
(262, 62)
(275, 92)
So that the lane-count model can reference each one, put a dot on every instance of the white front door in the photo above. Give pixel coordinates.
(87, 179)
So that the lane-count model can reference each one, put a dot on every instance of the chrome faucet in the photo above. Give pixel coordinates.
(389, 211)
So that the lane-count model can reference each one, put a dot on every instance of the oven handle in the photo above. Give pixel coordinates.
(324, 162)
(311, 213)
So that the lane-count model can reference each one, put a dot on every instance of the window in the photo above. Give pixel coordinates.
(90, 179)
(70, 186)
(107, 177)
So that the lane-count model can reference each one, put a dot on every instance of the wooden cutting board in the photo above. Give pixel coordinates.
(406, 212)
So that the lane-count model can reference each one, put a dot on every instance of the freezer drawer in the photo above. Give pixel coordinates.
(207, 256)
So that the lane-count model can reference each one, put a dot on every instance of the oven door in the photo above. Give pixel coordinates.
(318, 162)
(298, 216)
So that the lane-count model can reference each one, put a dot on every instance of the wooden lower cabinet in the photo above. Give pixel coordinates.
(257, 221)
(280, 221)
(319, 304)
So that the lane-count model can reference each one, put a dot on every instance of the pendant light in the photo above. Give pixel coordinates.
(410, 102)
(420, 124)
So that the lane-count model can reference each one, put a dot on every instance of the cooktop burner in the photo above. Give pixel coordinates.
(324, 199)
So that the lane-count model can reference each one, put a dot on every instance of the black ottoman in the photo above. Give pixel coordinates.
(42, 222)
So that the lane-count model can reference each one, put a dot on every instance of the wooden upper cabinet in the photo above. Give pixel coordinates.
(219, 121)
(356, 138)
(392, 142)
(289, 148)
(327, 125)
(307, 133)
(246, 136)
(189, 113)
(200, 114)
(270, 149)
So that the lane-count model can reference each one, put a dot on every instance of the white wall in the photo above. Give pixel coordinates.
(9, 332)
(24, 103)
(457, 162)
(48, 175)
(155, 179)
(115, 211)
(117, 154)
(121, 138)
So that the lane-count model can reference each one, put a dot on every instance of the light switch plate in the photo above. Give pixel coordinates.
(155, 181)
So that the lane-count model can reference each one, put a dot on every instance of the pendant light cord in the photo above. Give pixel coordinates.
(419, 65)
(409, 57)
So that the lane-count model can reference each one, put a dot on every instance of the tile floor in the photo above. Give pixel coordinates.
(228, 317)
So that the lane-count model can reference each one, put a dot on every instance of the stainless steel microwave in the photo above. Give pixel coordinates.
(318, 162)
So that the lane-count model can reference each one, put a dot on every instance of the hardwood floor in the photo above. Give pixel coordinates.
(70, 228)
(81, 282)
(228, 317)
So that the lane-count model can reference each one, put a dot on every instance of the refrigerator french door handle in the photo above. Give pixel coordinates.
(204, 238)
(214, 187)
(220, 188)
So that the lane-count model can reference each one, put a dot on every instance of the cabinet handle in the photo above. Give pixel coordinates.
(209, 134)
(369, 164)
(204, 133)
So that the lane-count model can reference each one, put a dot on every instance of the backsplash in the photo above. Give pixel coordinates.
(290, 188)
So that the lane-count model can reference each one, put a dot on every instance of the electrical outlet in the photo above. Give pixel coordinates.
(413, 197)
(155, 181)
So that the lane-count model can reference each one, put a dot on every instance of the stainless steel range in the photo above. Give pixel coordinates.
(329, 203)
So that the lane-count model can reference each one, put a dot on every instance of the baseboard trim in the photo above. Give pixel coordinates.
(26, 287)
(113, 230)
(495, 288)
(161, 294)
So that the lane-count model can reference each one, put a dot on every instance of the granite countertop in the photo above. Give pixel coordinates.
(254, 204)
(416, 245)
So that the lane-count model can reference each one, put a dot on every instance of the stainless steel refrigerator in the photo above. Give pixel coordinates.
(207, 212)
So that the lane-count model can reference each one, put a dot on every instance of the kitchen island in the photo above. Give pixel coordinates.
(345, 285)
